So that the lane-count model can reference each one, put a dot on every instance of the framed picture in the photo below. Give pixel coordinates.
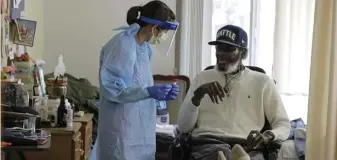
(25, 32)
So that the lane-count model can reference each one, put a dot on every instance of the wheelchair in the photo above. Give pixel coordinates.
(182, 146)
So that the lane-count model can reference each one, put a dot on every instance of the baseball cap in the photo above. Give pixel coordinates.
(232, 35)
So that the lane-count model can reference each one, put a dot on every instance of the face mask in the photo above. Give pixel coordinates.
(154, 40)
(157, 40)
(162, 36)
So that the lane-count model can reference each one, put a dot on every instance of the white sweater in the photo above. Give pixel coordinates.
(253, 96)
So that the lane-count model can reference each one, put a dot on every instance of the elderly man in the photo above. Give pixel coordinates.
(238, 99)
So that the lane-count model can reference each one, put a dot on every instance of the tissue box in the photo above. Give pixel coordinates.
(56, 88)
(24, 66)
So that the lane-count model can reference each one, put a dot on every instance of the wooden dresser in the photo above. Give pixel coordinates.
(86, 131)
(68, 143)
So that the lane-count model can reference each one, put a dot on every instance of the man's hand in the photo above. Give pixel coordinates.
(256, 139)
(214, 91)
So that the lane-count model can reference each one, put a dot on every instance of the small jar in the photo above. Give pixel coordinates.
(11, 76)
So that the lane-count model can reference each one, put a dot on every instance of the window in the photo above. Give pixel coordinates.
(253, 17)
(259, 21)
(235, 12)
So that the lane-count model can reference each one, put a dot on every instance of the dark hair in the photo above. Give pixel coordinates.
(244, 53)
(155, 9)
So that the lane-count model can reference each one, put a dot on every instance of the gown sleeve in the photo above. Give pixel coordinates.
(117, 71)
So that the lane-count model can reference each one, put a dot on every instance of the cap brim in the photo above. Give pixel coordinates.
(217, 42)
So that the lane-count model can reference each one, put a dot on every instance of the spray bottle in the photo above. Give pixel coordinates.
(163, 116)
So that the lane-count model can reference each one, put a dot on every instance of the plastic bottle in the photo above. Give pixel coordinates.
(72, 104)
(69, 114)
(162, 114)
(36, 86)
(163, 117)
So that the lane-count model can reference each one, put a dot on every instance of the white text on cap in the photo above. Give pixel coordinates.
(226, 33)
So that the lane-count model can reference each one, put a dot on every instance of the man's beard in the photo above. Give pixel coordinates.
(228, 68)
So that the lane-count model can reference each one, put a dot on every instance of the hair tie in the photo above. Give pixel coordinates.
(138, 16)
(139, 12)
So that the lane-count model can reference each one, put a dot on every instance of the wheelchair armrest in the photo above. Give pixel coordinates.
(272, 149)
(275, 145)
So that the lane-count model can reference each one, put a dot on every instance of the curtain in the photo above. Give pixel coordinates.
(292, 53)
(322, 123)
(193, 51)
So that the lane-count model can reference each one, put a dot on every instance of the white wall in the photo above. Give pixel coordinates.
(78, 29)
(33, 11)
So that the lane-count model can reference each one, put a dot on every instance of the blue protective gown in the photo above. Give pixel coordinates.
(127, 116)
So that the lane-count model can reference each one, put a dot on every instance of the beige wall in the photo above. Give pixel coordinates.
(34, 11)
(78, 29)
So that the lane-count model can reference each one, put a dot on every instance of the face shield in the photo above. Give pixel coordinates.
(165, 36)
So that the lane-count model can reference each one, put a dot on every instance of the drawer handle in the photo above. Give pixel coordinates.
(79, 150)
(81, 143)
(79, 140)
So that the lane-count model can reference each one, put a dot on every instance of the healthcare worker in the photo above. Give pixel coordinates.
(127, 113)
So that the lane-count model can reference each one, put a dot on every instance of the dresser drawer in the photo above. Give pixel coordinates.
(88, 137)
(79, 153)
(88, 128)
(86, 131)
(78, 146)
(87, 144)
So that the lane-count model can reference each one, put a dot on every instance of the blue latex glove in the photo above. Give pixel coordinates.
(173, 93)
(159, 91)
